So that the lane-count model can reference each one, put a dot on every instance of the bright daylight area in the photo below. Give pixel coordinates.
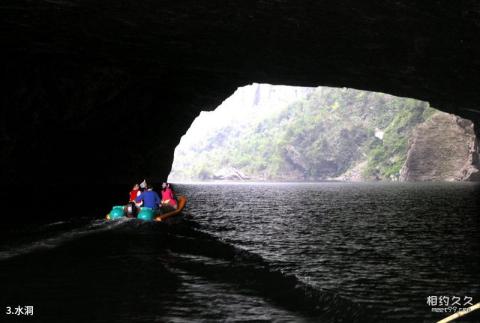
(269, 132)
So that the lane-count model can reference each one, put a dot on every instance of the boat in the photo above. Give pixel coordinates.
(181, 202)
(148, 214)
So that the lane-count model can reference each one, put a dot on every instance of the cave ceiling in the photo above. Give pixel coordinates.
(103, 90)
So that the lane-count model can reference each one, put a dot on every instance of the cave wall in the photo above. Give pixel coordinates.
(101, 92)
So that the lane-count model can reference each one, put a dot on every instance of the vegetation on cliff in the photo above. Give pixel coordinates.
(323, 135)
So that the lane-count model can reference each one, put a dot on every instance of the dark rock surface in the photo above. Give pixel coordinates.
(101, 91)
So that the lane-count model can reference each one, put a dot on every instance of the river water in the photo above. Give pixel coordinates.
(324, 252)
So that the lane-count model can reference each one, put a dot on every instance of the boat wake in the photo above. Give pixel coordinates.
(205, 267)
(200, 254)
(59, 236)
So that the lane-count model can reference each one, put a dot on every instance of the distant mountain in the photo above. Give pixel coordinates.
(282, 133)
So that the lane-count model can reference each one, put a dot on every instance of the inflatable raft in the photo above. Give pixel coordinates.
(182, 201)
(148, 214)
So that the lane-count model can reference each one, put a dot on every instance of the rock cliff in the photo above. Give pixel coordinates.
(442, 148)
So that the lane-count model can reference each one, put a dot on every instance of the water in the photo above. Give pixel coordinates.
(328, 252)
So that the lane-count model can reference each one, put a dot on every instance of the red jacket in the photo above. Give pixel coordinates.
(167, 197)
(133, 195)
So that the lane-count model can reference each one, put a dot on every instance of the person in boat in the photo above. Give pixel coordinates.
(149, 197)
(169, 202)
(134, 193)
(143, 185)
(131, 208)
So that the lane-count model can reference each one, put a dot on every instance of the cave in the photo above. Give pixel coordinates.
(97, 94)
(95, 97)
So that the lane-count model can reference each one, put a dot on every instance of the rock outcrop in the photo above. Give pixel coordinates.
(230, 173)
(354, 174)
(442, 148)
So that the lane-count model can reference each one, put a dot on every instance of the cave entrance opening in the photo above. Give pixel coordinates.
(265, 132)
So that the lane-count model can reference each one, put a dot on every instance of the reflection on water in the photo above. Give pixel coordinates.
(325, 252)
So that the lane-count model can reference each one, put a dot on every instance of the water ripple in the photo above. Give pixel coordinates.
(386, 246)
